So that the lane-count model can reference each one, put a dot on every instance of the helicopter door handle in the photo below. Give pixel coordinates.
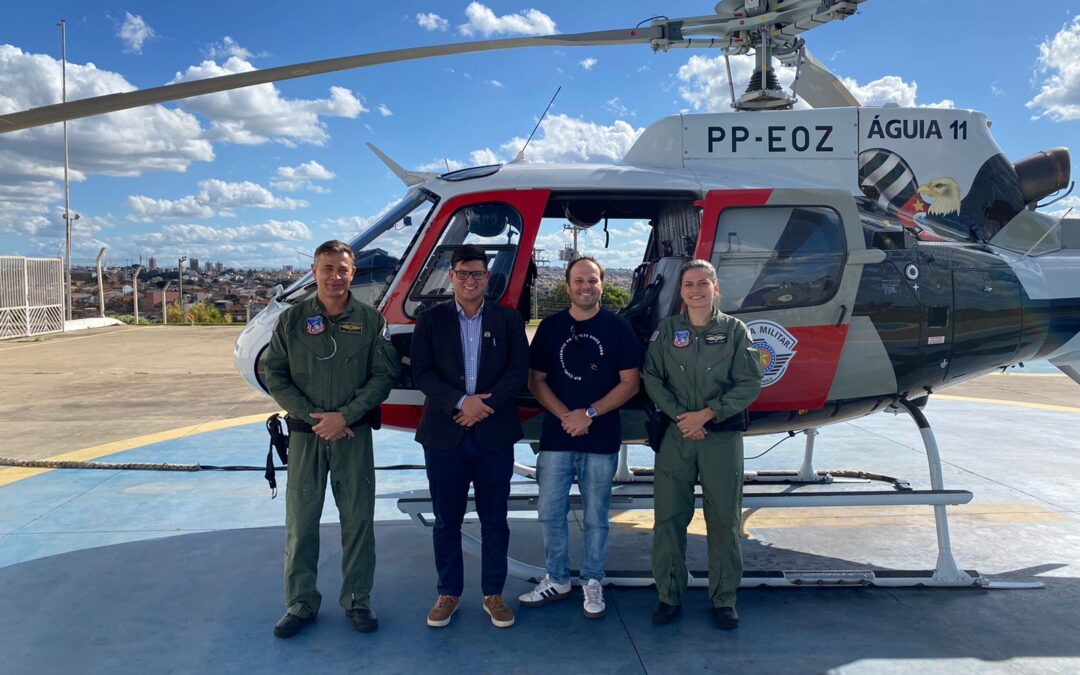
(843, 315)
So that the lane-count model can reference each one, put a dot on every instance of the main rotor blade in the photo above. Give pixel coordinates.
(819, 87)
(98, 105)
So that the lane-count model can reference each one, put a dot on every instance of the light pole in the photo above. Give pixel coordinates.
(67, 188)
(135, 292)
(165, 303)
(100, 283)
(180, 278)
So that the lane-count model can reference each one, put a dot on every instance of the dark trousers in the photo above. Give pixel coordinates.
(449, 474)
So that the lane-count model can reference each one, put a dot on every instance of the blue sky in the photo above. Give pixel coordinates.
(249, 177)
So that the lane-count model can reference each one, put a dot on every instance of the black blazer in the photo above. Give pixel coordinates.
(438, 369)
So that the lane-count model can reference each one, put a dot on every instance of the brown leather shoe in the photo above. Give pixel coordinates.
(444, 608)
(500, 614)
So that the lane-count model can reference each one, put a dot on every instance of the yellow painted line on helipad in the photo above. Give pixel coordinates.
(1018, 404)
(861, 516)
(64, 340)
(13, 474)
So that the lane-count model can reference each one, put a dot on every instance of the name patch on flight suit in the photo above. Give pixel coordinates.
(314, 325)
(681, 339)
(352, 327)
(716, 338)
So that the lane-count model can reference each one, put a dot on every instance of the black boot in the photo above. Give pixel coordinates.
(363, 620)
(726, 617)
(665, 613)
(290, 624)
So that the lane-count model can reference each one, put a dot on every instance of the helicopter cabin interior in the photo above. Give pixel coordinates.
(792, 257)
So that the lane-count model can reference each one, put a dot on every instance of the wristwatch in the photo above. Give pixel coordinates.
(590, 412)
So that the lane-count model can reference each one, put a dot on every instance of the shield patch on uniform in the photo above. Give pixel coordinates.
(681, 339)
(314, 325)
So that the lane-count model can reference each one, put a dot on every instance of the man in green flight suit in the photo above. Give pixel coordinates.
(701, 368)
(330, 365)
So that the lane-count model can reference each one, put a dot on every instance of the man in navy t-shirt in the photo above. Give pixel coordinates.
(584, 363)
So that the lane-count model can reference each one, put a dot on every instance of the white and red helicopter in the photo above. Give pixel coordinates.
(876, 254)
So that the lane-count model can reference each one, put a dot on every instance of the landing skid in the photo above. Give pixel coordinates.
(632, 492)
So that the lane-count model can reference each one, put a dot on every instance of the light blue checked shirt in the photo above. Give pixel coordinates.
(470, 346)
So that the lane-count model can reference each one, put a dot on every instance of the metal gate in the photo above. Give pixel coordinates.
(31, 296)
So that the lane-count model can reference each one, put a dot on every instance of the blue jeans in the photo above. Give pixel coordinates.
(555, 472)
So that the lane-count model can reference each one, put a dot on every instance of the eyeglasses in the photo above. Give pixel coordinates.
(462, 275)
(574, 337)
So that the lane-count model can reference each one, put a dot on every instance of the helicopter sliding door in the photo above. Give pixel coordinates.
(780, 258)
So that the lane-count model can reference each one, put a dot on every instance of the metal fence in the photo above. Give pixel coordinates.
(31, 296)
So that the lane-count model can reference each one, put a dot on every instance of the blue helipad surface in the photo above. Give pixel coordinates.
(96, 579)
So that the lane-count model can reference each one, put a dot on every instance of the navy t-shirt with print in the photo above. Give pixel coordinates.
(582, 360)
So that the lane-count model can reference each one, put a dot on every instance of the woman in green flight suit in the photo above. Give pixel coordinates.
(701, 368)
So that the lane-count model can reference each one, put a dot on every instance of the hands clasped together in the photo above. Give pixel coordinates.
(332, 426)
(692, 424)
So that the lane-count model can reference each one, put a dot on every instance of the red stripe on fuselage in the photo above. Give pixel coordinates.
(809, 376)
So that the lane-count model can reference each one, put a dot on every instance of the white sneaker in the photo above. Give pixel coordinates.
(546, 591)
(594, 600)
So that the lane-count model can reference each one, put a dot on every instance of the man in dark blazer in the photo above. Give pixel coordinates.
(470, 358)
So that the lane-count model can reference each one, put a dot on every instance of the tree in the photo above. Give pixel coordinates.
(612, 299)
(199, 312)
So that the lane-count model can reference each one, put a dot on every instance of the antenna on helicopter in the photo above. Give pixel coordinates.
(521, 153)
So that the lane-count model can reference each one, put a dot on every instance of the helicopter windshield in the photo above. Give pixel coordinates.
(379, 249)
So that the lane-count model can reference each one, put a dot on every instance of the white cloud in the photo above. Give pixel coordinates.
(996, 89)
(891, 89)
(259, 114)
(481, 157)
(587, 63)
(496, 84)
(186, 207)
(134, 32)
(215, 197)
(483, 22)
(289, 230)
(1069, 205)
(271, 243)
(560, 138)
(1059, 64)
(616, 106)
(384, 110)
(565, 139)
(432, 21)
(226, 48)
(706, 87)
(126, 143)
(293, 178)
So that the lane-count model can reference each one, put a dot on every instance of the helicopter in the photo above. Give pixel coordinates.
(877, 255)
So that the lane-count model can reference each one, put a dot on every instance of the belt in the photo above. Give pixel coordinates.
(373, 419)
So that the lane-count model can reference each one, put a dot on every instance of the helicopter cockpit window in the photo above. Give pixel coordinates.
(494, 227)
(379, 249)
(777, 257)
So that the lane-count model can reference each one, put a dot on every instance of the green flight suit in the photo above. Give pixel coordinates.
(348, 366)
(687, 369)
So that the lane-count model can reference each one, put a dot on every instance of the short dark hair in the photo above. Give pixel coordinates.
(468, 253)
(578, 259)
(333, 246)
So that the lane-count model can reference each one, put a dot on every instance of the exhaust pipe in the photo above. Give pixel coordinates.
(1043, 173)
